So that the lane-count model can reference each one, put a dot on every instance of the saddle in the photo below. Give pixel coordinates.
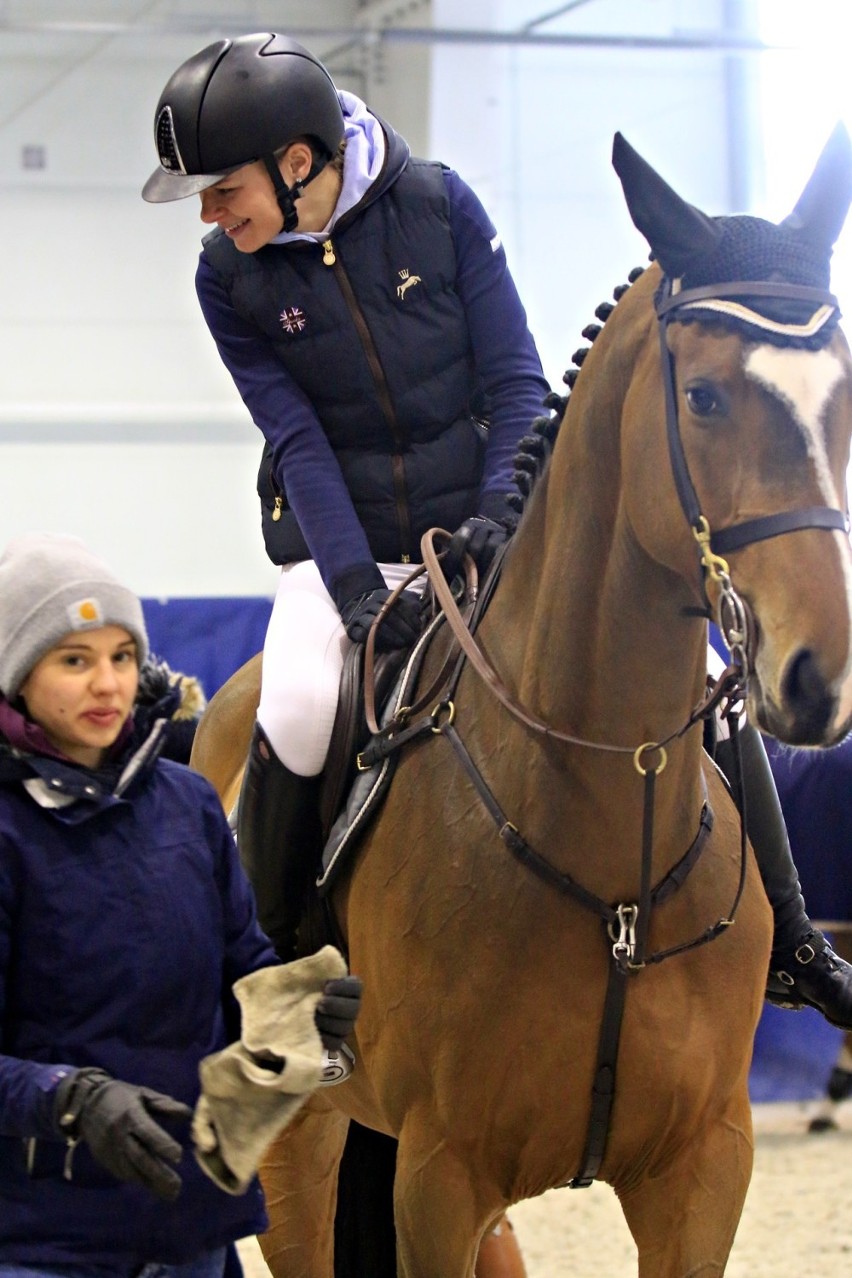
(351, 793)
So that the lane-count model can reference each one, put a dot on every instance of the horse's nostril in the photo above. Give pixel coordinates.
(805, 691)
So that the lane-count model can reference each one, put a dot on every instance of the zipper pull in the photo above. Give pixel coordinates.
(72, 1143)
(328, 258)
(276, 513)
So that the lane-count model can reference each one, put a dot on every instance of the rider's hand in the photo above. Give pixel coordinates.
(400, 627)
(479, 537)
(117, 1122)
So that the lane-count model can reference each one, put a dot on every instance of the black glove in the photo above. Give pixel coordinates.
(479, 537)
(399, 629)
(115, 1120)
(337, 1010)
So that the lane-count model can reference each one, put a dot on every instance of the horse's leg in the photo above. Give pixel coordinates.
(439, 1221)
(684, 1215)
(299, 1178)
(222, 738)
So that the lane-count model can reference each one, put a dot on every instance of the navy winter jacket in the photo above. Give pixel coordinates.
(125, 918)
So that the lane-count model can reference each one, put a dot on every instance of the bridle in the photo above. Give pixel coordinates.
(734, 617)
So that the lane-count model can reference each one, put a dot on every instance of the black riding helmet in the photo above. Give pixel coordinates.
(237, 101)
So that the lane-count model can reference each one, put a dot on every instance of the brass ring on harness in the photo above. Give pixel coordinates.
(650, 745)
(447, 707)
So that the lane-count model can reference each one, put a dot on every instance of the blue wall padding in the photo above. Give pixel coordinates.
(207, 638)
(793, 1055)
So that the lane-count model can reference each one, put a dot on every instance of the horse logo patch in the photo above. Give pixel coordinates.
(293, 320)
(408, 281)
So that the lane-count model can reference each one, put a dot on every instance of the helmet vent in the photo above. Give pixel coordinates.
(167, 147)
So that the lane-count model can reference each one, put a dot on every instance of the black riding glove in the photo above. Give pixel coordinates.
(400, 627)
(479, 537)
(337, 1010)
(116, 1120)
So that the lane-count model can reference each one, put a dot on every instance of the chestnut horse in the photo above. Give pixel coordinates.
(541, 909)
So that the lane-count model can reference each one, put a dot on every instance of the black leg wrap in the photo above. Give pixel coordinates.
(804, 971)
(278, 835)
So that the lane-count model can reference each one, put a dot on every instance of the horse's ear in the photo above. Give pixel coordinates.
(822, 207)
(676, 231)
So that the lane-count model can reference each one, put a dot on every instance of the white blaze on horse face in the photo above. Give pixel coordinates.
(804, 382)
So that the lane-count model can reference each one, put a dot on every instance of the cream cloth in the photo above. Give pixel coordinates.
(243, 1105)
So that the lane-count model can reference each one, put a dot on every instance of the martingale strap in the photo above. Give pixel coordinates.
(749, 531)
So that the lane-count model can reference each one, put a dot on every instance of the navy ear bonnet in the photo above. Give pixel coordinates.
(750, 248)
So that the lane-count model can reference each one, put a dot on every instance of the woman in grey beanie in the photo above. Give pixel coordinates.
(125, 920)
(52, 585)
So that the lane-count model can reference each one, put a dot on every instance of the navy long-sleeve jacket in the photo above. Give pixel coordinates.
(125, 918)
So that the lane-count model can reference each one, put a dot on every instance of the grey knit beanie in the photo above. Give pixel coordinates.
(50, 585)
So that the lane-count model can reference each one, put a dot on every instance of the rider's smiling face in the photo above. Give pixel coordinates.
(244, 203)
(245, 207)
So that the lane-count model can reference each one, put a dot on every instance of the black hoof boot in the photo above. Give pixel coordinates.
(812, 975)
(839, 1089)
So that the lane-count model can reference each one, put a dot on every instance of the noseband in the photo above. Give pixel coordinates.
(713, 545)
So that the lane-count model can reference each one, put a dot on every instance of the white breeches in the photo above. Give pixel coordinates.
(303, 657)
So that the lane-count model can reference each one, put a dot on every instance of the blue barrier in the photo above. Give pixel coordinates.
(207, 638)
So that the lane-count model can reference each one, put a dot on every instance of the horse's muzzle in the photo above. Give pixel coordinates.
(806, 709)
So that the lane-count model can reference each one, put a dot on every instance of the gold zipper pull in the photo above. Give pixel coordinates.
(276, 513)
(70, 1146)
(328, 258)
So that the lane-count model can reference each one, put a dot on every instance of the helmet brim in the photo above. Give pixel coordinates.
(163, 186)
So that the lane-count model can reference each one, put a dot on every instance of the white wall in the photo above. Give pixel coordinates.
(536, 145)
(116, 418)
(117, 421)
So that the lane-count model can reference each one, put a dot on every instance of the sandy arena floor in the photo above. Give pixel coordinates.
(797, 1218)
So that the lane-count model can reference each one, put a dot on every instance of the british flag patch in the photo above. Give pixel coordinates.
(293, 319)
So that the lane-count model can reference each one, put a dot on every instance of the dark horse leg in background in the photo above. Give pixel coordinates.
(839, 1085)
(364, 1233)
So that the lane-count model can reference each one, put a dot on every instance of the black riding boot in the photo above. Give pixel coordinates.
(278, 835)
(804, 971)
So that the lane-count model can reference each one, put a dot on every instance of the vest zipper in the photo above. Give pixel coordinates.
(403, 513)
(277, 497)
(67, 1166)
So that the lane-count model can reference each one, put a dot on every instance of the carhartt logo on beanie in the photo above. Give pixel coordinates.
(51, 585)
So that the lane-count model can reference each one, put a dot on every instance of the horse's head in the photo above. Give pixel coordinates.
(757, 388)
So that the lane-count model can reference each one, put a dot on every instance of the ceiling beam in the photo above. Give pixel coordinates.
(718, 41)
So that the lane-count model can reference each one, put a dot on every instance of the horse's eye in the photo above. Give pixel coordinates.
(703, 400)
